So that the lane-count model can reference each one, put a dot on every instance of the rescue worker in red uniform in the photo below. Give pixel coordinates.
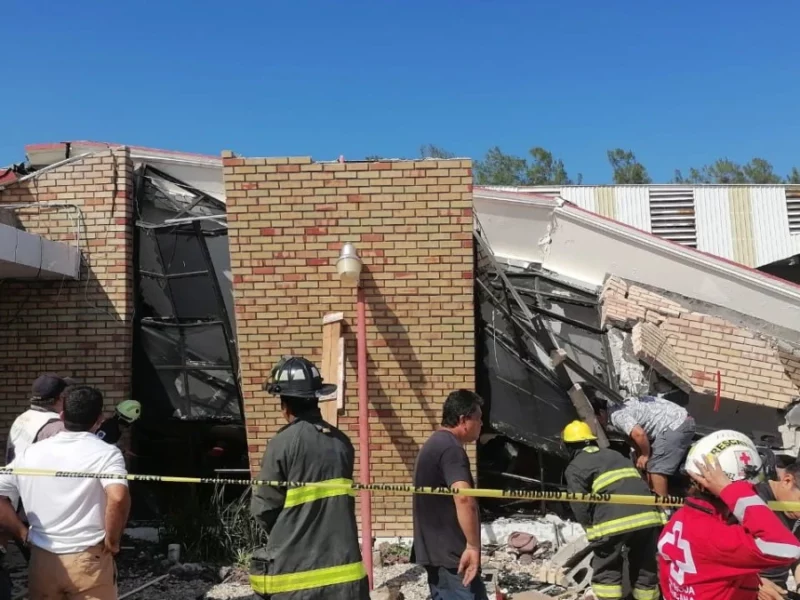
(714, 547)
(613, 529)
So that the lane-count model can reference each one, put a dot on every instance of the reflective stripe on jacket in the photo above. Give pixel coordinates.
(595, 470)
(313, 549)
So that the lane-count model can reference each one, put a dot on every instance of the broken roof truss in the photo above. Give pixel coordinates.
(539, 338)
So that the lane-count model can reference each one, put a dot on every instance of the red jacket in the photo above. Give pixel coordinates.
(703, 557)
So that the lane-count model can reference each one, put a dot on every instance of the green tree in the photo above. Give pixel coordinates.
(373, 157)
(431, 151)
(498, 168)
(759, 170)
(794, 177)
(626, 169)
(545, 170)
(723, 171)
(726, 171)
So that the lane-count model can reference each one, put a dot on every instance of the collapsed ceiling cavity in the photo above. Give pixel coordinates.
(184, 330)
(537, 338)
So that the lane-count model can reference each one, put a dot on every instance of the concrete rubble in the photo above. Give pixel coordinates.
(141, 562)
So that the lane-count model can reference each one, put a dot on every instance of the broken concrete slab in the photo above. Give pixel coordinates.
(630, 372)
(384, 593)
(570, 567)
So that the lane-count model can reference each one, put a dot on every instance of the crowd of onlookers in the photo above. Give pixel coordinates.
(68, 528)
(724, 543)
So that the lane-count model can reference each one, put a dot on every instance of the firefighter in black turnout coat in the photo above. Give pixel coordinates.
(312, 550)
(610, 528)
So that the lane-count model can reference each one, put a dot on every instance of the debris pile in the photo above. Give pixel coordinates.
(688, 347)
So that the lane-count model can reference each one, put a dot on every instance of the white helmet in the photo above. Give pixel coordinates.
(736, 453)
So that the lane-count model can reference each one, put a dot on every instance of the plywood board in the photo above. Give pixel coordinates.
(332, 367)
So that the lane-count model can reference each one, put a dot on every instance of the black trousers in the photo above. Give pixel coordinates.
(608, 564)
(6, 585)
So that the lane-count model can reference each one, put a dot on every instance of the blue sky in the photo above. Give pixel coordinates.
(679, 83)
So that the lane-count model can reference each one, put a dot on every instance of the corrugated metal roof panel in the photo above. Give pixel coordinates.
(582, 196)
(633, 206)
(713, 217)
(769, 215)
(672, 214)
(744, 246)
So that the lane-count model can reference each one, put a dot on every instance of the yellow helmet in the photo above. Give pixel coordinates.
(577, 431)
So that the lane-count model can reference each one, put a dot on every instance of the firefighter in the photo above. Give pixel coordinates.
(116, 430)
(714, 547)
(312, 550)
(613, 528)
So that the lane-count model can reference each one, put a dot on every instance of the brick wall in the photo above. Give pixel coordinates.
(80, 328)
(752, 367)
(412, 225)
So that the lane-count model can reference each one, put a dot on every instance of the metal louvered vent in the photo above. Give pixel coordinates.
(672, 214)
(793, 208)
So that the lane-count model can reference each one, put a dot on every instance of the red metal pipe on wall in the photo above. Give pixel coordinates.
(363, 432)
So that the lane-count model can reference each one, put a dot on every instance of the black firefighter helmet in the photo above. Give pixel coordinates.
(297, 377)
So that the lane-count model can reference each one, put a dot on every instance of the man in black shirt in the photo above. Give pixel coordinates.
(784, 488)
(447, 528)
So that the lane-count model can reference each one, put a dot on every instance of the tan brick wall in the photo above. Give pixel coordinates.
(412, 225)
(652, 346)
(791, 362)
(79, 328)
(752, 368)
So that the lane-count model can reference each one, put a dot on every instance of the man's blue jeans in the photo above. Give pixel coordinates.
(445, 584)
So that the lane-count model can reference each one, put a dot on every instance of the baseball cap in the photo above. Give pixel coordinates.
(47, 387)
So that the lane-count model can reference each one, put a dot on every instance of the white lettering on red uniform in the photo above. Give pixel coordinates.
(678, 553)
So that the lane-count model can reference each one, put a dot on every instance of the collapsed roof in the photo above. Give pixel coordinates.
(618, 306)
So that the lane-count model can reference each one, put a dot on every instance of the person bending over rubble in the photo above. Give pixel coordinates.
(714, 547)
(660, 431)
(312, 552)
(613, 528)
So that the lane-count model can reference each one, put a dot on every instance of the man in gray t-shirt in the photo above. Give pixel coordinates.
(660, 431)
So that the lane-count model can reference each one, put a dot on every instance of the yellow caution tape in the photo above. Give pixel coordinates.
(392, 488)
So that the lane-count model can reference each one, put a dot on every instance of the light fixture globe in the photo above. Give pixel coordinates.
(348, 265)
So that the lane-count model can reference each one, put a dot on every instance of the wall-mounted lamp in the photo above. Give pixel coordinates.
(348, 265)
